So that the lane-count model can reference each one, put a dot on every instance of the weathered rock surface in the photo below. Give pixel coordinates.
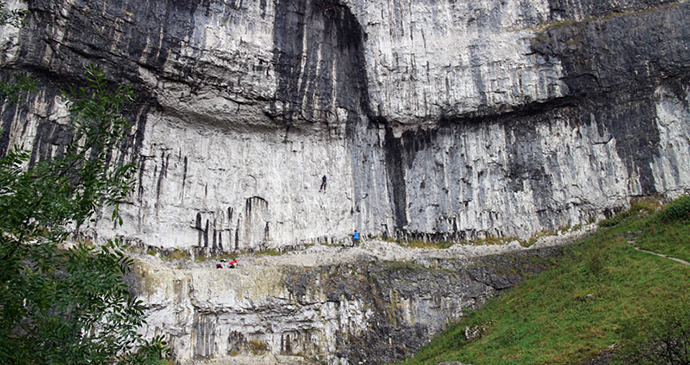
(440, 119)
(332, 304)
(443, 119)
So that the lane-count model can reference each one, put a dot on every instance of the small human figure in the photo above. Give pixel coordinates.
(355, 238)
(232, 263)
(219, 266)
(323, 184)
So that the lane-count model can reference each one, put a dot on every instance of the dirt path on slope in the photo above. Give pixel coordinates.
(664, 256)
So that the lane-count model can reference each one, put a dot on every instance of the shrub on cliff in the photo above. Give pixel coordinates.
(62, 305)
(677, 210)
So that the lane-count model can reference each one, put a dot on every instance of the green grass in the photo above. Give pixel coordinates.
(269, 252)
(257, 347)
(438, 245)
(598, 291)
(668, 231)
(672, 239)
(177, 254)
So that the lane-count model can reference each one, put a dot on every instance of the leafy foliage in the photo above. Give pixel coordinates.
(663, 338)
(10, 91)
(69, 305)
(678, 210)
(11, 17)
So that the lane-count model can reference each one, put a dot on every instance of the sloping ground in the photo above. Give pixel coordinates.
(664, 256)
(606, 301)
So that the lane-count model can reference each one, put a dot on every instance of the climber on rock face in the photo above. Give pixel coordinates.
(323, 184)
(355, 238)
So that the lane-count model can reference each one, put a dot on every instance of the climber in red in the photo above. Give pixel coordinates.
(231, 264)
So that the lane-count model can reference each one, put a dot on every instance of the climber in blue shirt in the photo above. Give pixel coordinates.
(323, 184)
(355, 238)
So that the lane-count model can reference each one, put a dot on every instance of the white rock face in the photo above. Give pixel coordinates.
(433, 119)
(670, 172)
(429, 58)
(234, 191)
(336, 305)
(473, 181)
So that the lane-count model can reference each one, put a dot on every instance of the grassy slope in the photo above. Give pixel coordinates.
(600, 293)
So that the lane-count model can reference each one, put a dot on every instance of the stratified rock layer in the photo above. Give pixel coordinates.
(437, 119)
(336, 305)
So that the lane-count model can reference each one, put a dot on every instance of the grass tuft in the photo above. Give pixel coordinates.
(676, 211)
(269, 252)
(177, 254)
(257, 347)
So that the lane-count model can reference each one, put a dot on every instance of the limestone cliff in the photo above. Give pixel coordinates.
(441, 118)
(373, 304)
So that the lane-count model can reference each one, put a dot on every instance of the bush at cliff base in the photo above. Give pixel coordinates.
(677, 210)
(660, 338)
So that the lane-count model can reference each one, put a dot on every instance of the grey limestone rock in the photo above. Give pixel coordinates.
(349, 312)
(435, 120)
(432, 119)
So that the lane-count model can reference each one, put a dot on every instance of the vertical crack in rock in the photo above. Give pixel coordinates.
(526, 166)
(206, 234)
(51, 140)
(199, 229)
(395, 168)
(257, 218)
(399, 154)
(237, 235)
(184, 178)
(8, 116)
(161, 177)
(205, 329)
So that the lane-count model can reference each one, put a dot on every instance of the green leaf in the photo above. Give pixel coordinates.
(69, 306)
